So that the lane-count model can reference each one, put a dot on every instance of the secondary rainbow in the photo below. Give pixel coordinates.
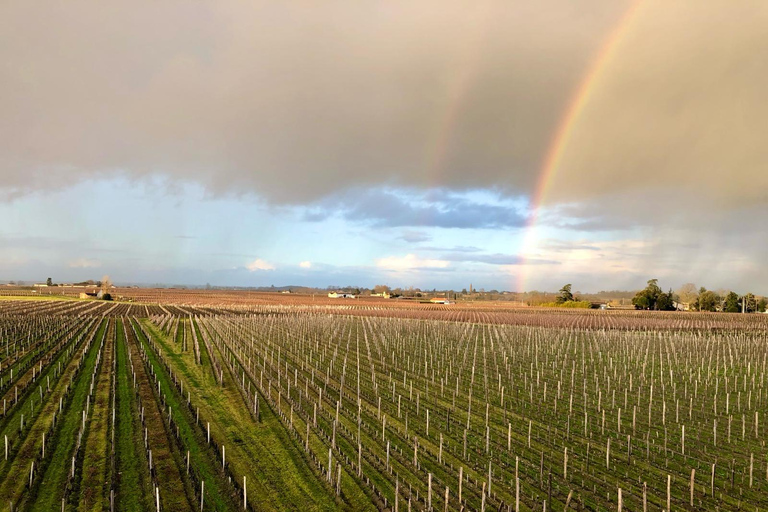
(564, 131)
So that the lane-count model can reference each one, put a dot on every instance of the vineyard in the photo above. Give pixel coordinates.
(276, 405)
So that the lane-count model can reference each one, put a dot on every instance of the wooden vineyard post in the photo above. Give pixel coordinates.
(517, 495)
(245, 496)
(489, 477)
(549, 487)
(530, 424)
(447, 491)
(608, 454)
(693, 474)
(669, 493)
(397, 494)
(712, 481)
(565, 464)
(587, 461)
(359, 459)
(202, 495)
(645, 497)
(482, 504)
(429, 492)
(461, 477)
(621, 503)
(682, 440)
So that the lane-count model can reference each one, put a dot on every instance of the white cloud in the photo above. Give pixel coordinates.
(409, 262)
(259, 264)
(84, 263)
(305, 264)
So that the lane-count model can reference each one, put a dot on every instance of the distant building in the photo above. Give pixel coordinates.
(340, 295)
(40, 285)
(386, 295)
(439, 300)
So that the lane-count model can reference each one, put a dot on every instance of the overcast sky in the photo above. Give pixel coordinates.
(400, 142)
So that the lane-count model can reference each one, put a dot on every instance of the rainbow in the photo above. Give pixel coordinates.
(564, 131)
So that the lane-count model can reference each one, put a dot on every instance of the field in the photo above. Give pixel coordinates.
(184, 400)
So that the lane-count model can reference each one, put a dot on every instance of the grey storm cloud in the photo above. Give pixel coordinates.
(289, 101)
(438, 208)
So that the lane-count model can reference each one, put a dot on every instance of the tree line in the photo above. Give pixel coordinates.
(688, 297)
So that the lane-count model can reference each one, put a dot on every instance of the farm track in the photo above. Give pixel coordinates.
(133, 485)
(165, 458)
(95, 483)
(204, 465)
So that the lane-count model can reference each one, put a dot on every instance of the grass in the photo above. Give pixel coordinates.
(353, 496)
(203, 461)
(166, 458)
(133, 486)
(95, 483)
(276, 471)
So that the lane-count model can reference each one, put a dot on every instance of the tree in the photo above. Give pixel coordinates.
(49, 282)
(646, 298)
(732, 303)
(565, 294)
(688, 293)
(761, 305)
(665, 302)
(707, 301)
(106, 284)
(653, 298)
(748, 303)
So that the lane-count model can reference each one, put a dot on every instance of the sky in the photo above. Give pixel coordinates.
(508, 145)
